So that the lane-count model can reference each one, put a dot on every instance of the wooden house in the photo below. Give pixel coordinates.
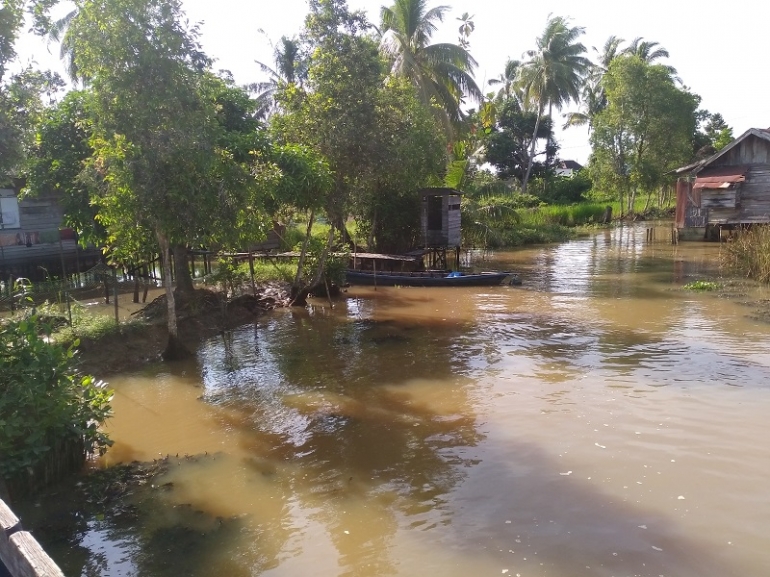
(729, 190)
(440, 219)
(32, 242)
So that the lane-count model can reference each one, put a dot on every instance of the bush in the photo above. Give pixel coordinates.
(48, 412)
(561, 189)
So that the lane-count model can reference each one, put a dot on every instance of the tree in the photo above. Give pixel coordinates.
(334, 114)
(507, 145)
(507, 81)
(289, 67)
(644, 132)
(442, 73)
(161, 162)
(409, 151)
(465, 30)
(22, 93)
(553, 75)
(594, 100)
(57, 158)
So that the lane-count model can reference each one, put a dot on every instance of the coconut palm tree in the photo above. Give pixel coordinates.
(58, 33)
(442, 73)
(649, 52)
(507, 80)
(289, 67)
(594, 99)
(554, 74)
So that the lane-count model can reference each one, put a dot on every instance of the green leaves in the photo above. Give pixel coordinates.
(645, 131)
(43, 400)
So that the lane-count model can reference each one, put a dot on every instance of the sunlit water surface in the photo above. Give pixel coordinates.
(598, 420)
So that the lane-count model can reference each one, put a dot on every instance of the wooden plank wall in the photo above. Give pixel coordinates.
(752, 150)
(454, 237)
(20, 552)
(37, 239)
(754, 204)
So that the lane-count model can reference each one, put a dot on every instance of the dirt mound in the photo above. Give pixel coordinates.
(200, 315)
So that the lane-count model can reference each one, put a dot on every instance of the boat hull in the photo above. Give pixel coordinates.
(425, 279)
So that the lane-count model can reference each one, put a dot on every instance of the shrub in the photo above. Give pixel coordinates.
(748, 254)
(49, 413)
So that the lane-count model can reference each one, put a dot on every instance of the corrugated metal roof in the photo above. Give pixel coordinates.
(721, 177)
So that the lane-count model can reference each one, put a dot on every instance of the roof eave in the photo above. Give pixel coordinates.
(696, 167)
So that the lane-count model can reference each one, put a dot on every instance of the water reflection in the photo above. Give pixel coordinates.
(547, 430)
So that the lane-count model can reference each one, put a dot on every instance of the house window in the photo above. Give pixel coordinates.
(9, 212)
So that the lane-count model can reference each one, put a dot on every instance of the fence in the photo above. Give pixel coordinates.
(20, 552)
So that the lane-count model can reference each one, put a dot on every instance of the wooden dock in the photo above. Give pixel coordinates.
(20, 552)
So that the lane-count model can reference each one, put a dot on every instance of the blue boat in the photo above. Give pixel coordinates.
(428, 278)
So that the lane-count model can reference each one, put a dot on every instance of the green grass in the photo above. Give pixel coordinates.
(701, 286)
(265, 271)
(85, 324)
(572, 215)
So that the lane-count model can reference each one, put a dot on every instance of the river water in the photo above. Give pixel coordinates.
(598, 420)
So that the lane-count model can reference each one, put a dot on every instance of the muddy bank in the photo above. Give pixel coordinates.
(201, 315)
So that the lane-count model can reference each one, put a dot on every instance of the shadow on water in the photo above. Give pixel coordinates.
(360, 446)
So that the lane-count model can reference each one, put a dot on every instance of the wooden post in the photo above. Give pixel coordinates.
(251, 270)
(21, 554)
(77, 261)
(115, 292)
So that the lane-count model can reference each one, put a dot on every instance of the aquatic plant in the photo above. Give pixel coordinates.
(701, 285)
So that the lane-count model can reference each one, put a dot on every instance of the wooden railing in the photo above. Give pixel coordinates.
(20, 552)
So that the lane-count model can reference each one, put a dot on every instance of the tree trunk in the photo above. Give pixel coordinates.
(175, 350)
(184, 282)
(299, 295)
(532, 147)
(302, 255)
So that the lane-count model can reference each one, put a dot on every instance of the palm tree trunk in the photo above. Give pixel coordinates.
(532, 146)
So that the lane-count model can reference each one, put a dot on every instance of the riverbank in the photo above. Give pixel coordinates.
(141, 339)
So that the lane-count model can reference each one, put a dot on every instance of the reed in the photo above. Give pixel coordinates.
(748, 254)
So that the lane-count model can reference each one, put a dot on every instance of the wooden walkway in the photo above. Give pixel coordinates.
(20, 552)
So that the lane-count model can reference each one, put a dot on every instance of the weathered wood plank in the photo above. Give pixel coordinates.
(20, 552)
(29, 559)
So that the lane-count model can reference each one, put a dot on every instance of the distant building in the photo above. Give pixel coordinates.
(32, 240)
(567, 168)
(728, 190)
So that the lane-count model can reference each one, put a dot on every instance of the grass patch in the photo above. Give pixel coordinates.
(702, 286)
(85, 324)
(266, 270)
(564, 215)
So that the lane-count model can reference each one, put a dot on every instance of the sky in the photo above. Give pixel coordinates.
(719, 54)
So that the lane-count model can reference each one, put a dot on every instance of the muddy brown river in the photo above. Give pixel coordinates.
(599, 420)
